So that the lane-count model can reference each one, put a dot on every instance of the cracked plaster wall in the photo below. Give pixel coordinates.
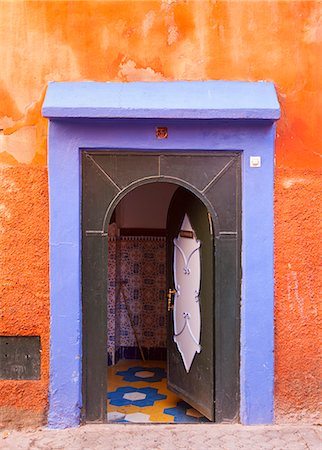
(162, 40)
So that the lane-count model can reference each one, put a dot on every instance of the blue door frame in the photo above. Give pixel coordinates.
(214, 115)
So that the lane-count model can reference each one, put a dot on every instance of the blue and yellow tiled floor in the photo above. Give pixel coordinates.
(137, 392)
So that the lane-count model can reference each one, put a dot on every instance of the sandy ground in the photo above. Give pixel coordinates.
(166, 437)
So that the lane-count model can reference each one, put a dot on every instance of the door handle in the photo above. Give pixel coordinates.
(170, 292)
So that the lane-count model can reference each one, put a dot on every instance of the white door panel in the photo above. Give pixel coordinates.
(186, 311)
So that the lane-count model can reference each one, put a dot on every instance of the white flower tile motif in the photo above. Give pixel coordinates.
(144, 374)
(137, 417)
(115, 416)
(134, 396)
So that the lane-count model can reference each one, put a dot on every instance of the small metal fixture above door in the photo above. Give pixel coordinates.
(161, 132)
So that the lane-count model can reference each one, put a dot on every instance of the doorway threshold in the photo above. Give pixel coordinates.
(138, 393)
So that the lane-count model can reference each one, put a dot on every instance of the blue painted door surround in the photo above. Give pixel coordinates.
(229, 116)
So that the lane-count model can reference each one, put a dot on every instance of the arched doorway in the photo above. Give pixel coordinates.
(108, 178)
(160, 307)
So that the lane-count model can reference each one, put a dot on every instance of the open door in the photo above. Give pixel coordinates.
(213, 373)
(190, 302)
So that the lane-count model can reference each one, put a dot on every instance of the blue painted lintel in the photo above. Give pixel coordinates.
(171, 100)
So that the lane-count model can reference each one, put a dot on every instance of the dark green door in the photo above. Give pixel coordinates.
(190, 255)
(211, 382)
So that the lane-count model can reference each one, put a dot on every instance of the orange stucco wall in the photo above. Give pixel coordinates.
(279, 41)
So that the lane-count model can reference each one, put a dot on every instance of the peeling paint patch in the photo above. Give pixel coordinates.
(24, 141)
(75, 377)
(6, 122)
(289, 182)
(4, 211)
(21, 144)
(7, 160)
(170, 22)
(148, 22)
(5, 215)
(8, 106)
(130, 72)
(9, 185)
(313, 28)
(172, 34)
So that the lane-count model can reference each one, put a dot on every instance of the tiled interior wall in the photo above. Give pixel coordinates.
(138, 264)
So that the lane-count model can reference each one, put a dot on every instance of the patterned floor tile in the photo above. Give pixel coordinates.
(138, 373)
(129, 395)
(144, 374)
(115, 416)
(193, 413)
(129, 381)
(179, 413)
(134, 396)
(137, 417)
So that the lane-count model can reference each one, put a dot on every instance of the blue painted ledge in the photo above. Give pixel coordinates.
(172, 100)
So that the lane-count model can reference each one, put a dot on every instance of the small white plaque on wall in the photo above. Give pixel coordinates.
(255, 161)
